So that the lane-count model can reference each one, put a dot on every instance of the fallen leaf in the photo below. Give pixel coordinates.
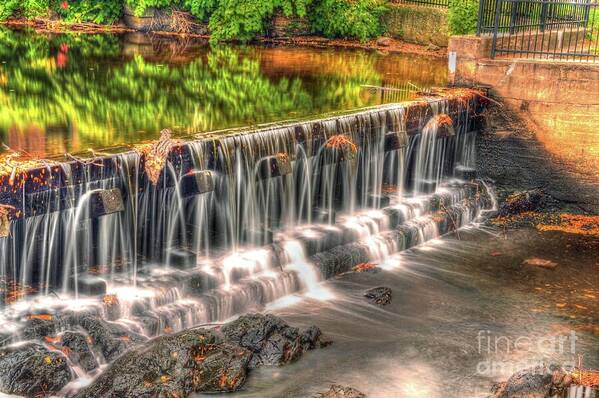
(539, 262)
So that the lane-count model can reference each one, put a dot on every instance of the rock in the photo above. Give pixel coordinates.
(535, 382)
(39, 326)
(337, 391)
(195, 360)
(5, 339)
(78, 350)
(379, 295)
(432, 47)
(521, 202)
(32, 370)
(384, 41)
(110, 339)
(270, 339)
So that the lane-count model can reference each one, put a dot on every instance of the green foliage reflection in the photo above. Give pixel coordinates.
(83, 88)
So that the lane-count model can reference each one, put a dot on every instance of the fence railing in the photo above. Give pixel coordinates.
(543, 29)
(429, 3)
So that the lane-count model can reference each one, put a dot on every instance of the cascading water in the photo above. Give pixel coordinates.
(237, 222)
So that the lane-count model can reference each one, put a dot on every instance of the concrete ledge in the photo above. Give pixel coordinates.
(418, 24)
(52, 179)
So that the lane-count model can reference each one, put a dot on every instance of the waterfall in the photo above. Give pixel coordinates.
(239, 220)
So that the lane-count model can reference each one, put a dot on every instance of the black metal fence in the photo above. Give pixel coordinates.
(544, 29)
(430, 3)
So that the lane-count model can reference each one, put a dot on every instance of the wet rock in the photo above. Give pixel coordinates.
(39, 326)
(521, 202)
(379, 295)
(78, 350)
(110, 339)
(32, 370)
(337, 391)
(5, 339)
(341, 259)
(195, 360)
(535, 382)
(270, 339)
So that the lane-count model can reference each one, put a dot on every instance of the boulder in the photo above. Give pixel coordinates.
(78, 350)
(271, 340)
(111, 339)
(195, 360)
(379, 295)
(337, 391)
(537, 382)
(32, 370)
(521, 202)
(39, 326)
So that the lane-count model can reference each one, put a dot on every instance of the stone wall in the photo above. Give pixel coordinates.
(418, 24)
(561, 99)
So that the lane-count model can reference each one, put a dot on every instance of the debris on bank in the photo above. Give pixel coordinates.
(337, 391)
(574, 224)
(540, 262)
(379, 295)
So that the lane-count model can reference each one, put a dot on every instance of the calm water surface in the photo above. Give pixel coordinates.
(67, 93)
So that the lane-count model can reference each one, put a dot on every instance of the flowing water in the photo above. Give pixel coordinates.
(237, 222)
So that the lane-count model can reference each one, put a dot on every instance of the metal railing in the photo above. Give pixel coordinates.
(542, 29)
(428, 3)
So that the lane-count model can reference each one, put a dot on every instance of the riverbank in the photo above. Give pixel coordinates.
(382, 44)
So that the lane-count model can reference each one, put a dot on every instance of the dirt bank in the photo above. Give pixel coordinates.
(386, 44)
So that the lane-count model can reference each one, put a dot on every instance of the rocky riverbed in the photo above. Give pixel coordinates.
(194, 360)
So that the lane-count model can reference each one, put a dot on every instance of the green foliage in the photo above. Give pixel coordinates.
(240, 19)
(140, 7)
(104, 12)
(8, 8)
(462, 16)
(26, 8)
(359, 19)
(201, 9)
(35, 8)
(228, 19)
(109, 100)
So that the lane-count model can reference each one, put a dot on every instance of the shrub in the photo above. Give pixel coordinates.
(8, 8)
(359, 19)
(462, 16)
(140, 7)
(105, 12)
(201, 9)
(243, 20)
(27, 8)
(239, 19)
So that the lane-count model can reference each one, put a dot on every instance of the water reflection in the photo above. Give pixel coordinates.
(67, 93)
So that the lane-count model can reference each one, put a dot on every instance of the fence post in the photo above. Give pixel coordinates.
(587, 12)
(481, 13)
(513, 16)
(496, 27)
(543, 15)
